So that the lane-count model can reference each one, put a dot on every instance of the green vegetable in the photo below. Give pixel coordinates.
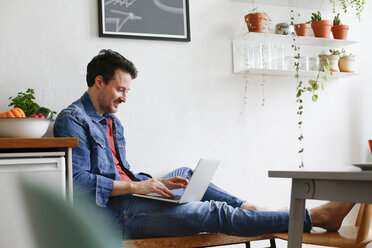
(25, 101)
(46, 112)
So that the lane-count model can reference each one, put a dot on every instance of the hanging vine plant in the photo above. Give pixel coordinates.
(299, 100)
(357, 5)
(264, 67)
(246, 75)
(312, 87)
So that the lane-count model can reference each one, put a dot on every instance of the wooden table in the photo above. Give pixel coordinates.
(10, 145)
(322, 185)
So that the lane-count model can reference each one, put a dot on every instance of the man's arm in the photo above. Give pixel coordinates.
(85, 182)
(152, 185)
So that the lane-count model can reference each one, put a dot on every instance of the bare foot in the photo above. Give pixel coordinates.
(330, 215)
(247, 205)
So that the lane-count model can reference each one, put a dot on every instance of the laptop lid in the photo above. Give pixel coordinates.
(197, 185)
(200, 180)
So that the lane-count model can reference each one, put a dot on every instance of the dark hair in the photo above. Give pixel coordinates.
(106, 63)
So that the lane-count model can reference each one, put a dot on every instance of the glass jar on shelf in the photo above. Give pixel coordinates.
(314, 63)
(304, 63)
(289, 63)
(266, 52)
(277, 56)
(254, 56)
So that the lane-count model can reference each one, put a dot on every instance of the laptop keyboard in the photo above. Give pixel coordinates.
(160, 196)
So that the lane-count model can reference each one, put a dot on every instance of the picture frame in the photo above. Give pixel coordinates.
(144, 19)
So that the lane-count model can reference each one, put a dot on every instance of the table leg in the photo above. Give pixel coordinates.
(69, 174)
(296, 220)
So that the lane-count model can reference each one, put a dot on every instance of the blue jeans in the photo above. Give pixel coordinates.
(217, 212)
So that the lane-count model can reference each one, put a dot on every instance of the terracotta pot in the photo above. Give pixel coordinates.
(302, 29)
(333, 60)
(340, 32)
(322, 28)
(346, 64)
(256, 22)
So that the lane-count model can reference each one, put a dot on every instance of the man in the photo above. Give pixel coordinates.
(100, 169)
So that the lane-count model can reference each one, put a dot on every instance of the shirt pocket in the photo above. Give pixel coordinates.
(121, 142)
(121, 146)
(100, 160)
(98, 141)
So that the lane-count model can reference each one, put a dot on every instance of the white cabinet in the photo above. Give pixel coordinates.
(45, 160)
(45, 168)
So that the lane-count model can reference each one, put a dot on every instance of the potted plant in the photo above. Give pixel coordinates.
(333, 58)
(256, 21)
(339, 31)
(302, 29)
(346, 63)
(321, 28)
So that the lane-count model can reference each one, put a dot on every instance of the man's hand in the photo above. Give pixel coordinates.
(153, 185)
(175, 182)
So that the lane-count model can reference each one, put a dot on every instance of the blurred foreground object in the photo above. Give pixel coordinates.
(55, 223)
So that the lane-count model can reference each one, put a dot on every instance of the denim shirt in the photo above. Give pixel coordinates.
(93, 165)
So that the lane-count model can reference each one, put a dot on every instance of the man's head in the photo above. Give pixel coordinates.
(109, 76)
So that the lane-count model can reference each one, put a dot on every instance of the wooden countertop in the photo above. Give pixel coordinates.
(25, 143)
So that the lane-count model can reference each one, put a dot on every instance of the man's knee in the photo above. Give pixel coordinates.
(185, 172)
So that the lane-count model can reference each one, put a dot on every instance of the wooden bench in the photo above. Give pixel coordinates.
(200, 240)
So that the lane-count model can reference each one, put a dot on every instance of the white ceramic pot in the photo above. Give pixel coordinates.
(284, 28)
(333, 60)
(346, 64)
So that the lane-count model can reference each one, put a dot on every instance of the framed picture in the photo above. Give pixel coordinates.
(144, 19)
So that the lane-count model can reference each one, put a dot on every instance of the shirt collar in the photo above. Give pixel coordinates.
(91, 110)
(109, 116)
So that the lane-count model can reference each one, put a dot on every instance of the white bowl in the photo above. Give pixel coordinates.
(23, 127)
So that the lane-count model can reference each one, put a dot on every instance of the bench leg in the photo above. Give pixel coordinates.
(272, 243)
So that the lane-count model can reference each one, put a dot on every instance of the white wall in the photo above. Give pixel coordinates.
(186, 103)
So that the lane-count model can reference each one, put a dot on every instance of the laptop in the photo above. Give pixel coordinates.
(196, 187)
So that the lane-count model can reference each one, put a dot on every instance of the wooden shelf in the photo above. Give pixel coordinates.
(29, 143)
(302, 74)
(287, 39)
(314, 4)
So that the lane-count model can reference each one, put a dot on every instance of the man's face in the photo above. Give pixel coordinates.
(115, 92)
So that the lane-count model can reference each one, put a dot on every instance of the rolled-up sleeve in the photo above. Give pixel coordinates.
(85, 182)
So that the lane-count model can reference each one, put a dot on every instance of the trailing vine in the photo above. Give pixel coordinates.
(246, 74)
(312, 87)
(357, 5)
(299, 100)
(263, 72)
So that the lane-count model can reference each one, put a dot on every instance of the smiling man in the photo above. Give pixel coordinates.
(101, 170)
